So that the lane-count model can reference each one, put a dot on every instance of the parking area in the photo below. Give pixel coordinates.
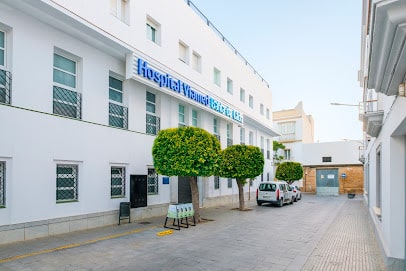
(307, 235)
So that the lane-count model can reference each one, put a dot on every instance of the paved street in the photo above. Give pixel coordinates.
(316, 233)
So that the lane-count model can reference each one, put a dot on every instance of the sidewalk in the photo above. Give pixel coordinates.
(349, 243)
(316, 233)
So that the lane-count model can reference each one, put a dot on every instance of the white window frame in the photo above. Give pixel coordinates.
(242, 135)
(195, 118)
(217, 77)
(229, 86)
(251, 101)
(196, 62)
(261, 109)
(122, 185)
(181, 115)
(4, 49)
(120, 10)
(153, 30)
(66, 87)
(3, 183)
(183, 52)
(251, 138)
(152, 181)
(242, 95)
(75, 188)
(268, 114)
(124, 116)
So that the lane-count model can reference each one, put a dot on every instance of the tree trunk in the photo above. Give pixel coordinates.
(240, 184)
(195, 197)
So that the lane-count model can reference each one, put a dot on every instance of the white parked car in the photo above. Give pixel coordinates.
(296, 192)
(278, 192)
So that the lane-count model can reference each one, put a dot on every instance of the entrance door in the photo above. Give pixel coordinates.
(184, 193)
(327, 182)
(138, 191)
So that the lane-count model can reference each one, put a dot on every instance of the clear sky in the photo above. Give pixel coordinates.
(308, 51)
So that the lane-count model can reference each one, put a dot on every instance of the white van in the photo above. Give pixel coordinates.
(278, 193)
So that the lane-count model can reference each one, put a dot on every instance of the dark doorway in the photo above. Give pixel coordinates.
(138, 191)
(184, 193)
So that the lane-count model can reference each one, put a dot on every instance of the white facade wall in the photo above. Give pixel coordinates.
(341, 153)
(33, 140)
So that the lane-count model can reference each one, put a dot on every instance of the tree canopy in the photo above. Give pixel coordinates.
(289, 171)
(241, 162)
(186, 151)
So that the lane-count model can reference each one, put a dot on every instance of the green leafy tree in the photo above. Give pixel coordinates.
(241, 162)
(186, 151)
(289, 171)
(276, 147)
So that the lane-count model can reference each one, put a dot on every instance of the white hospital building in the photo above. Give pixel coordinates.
(85, 86)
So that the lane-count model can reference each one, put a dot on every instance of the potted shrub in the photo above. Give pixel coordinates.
(351, 194)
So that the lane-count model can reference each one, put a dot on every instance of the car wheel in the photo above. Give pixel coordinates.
(291, 200)
(295, 199)
(259, 203)
(280, 203)
(300, 196)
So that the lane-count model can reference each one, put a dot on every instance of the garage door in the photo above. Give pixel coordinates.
(327, 182)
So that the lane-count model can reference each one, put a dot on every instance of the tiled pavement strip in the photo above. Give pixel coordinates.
(337, 234)
(348, 244)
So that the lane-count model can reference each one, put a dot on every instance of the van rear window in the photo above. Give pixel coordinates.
(267, 187)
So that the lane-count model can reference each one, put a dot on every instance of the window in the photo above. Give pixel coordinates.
(117, 181)
(194, 118)
(216, 182)
(229, 134)
(230, 183)
(326, 159)
(216, 130)
(242, 136)
(153, 122)
(287, 154)
(153, 31)
(196, 62)
(216, 77)
(66, 182)
(267, 114)
(268, 149)
(2, 183)
(183, 52)
(262, 145)
(261, 109)
(181, 116)
(152, 182)
(66, 98)
(242, 95)
(119, 8)
(5, 76)
(118, 113)
(287, 130)
(251, 101)
(251, 138)
(229, 86)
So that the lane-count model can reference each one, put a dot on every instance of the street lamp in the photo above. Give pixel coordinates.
(344, 104)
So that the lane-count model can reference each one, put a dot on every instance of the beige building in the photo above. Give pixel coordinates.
(296, 128)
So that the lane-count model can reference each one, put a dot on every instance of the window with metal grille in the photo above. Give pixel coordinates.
(118, 113)
(66, 182)
(153, 122)
(326, 159)
(216, 182)
(5, 76)
(2, 183)
(66, 99)
(117, 181)
(152, 182)
(230, 183)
